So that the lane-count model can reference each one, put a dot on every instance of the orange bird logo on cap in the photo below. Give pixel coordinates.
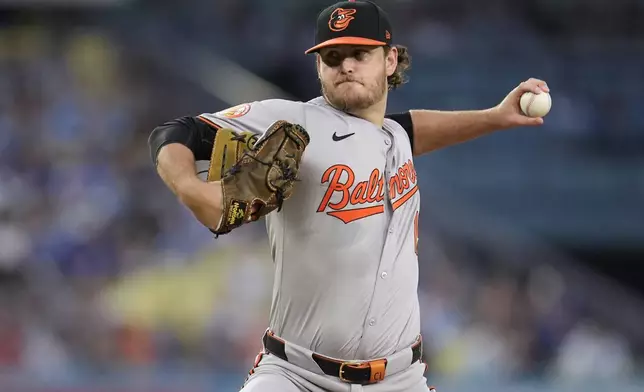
(340, 19)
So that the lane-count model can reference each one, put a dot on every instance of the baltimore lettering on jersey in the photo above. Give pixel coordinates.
(341, 179)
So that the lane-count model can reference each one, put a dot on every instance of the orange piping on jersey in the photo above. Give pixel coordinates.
(347, 216)
(212, 124)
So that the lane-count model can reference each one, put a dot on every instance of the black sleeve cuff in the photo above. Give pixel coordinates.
(405, 121)
(193, 133)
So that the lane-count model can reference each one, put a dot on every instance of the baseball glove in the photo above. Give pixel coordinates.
(257, 173)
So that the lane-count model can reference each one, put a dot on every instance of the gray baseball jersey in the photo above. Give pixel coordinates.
(345, 244)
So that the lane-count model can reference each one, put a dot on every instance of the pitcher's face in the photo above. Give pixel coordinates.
(354, 77)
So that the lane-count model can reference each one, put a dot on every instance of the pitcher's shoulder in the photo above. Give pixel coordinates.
(303, 111)
(285, 109)
(279, 103)
(293, 105)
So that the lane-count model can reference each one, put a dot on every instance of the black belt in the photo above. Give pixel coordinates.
(362, 372)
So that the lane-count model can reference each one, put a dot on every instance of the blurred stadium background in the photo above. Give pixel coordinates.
(532, 240)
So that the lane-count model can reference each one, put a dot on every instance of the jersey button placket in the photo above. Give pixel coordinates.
(381, 286)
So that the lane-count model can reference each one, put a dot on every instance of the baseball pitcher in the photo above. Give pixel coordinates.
(335, 179)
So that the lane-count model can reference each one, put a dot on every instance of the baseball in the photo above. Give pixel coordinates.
(535, 105)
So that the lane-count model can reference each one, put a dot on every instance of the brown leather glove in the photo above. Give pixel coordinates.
(263, 174)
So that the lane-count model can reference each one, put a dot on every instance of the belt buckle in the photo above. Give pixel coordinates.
(342, 365)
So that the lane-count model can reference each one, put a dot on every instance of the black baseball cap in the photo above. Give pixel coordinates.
(352, 23)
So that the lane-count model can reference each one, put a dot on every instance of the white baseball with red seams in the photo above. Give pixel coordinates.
(535, 105)
(345, 244)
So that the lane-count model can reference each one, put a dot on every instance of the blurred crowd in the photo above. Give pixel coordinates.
(80, 202)
(102, 270)
(485, 319)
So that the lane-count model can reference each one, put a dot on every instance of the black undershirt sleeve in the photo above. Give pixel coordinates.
(404, 119)
(192, 132)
